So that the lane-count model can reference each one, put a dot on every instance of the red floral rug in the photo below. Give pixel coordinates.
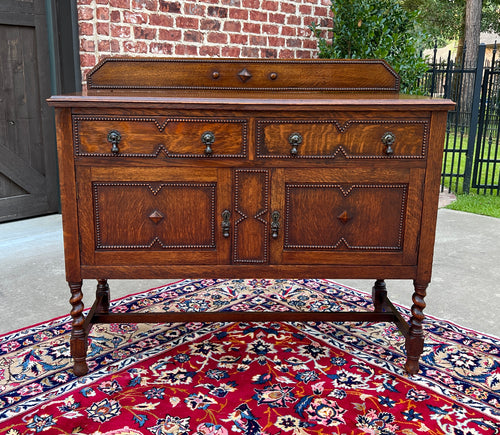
(249, 378)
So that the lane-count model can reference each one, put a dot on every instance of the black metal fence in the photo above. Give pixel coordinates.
(471, 159)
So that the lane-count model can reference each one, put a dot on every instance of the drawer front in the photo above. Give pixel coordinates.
(154, 136)
(352, 139)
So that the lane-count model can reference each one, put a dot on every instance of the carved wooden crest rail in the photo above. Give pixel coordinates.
(246, 168)
(249, 74)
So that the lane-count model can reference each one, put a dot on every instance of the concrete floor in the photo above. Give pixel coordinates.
(465, 287)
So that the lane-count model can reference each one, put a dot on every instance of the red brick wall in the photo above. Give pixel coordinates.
(205, 28)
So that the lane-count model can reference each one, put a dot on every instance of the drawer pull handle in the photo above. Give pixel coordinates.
(208, 138)
(226, 225)
(295, 140)
(114, 137)
(388, 140)
(275, 224)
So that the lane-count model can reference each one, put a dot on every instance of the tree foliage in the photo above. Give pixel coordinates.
(444, 19)
(376, 29)
(490, 21)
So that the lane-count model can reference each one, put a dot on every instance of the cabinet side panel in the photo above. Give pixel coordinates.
(431, 196)
(68, 194)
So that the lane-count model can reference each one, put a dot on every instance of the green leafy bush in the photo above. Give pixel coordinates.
(374, 29)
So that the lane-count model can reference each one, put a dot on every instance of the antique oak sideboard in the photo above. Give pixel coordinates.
(245, 168)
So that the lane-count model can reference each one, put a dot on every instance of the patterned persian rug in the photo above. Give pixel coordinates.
(249, 378)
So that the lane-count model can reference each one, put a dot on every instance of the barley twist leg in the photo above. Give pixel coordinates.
(415, 340)
(78, 340)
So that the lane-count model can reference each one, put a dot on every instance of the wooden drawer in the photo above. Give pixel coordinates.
(352, 139)
(154, 136)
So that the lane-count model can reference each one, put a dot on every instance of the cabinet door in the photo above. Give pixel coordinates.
(345, 216)
(151, 216)
(251, 200)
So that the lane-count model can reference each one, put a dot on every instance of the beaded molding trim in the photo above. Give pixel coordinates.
(154, 188)
(342, 242)
(161, 148)
(342, 128)
(258, 215)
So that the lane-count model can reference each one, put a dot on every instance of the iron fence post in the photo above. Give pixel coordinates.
(476, 99)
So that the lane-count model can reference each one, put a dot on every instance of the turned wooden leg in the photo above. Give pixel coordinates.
(379, 296)
(78, 335)
(415, 340)
(102, 293)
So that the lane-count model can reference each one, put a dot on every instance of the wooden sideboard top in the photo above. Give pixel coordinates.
(249, 101)
(245, 84)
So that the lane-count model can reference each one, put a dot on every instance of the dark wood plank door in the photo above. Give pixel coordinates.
(28, 164)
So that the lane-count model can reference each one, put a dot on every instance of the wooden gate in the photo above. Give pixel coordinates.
(28, 163)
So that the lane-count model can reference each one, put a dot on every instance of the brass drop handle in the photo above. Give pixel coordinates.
(226, 224)
(208, 138)
(114, 137)
(275, 224)
(295, 140)
(388, 140)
